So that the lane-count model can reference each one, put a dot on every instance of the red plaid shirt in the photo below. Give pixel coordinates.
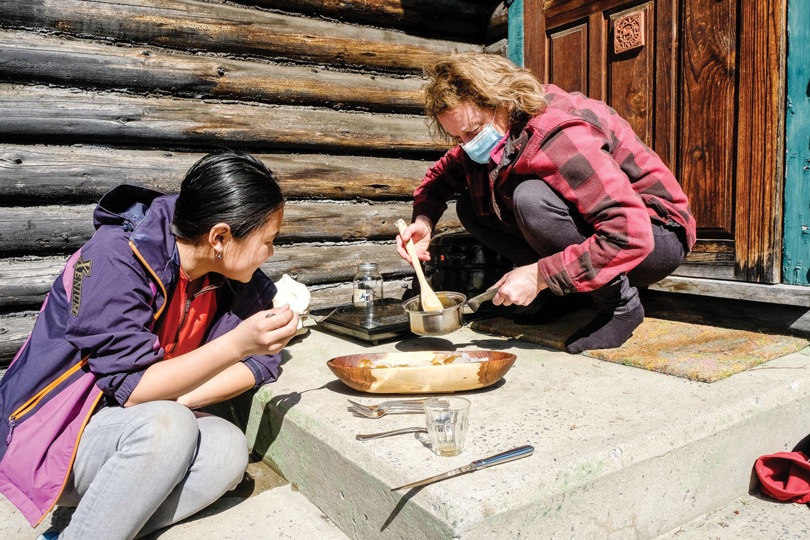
(591, 157)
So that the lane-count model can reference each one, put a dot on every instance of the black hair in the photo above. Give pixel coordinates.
(227, 186)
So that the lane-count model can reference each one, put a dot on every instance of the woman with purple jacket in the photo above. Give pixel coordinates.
(163, 311)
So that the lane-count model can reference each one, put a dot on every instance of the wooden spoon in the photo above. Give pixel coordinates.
(430, 302)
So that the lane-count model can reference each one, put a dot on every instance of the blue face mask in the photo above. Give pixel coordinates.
(482, 144)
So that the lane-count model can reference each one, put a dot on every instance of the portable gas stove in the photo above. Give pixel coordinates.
(385, 319)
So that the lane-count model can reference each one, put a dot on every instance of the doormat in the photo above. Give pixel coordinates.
(694, 351)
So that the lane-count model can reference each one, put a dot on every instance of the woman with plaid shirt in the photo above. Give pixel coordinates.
(558, 183)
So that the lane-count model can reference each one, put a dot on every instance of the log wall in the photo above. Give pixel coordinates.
(327, 93)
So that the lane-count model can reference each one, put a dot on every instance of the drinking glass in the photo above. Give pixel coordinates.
(446, 419)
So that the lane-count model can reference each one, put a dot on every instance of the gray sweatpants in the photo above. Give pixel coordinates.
(141, 468)
(548, 224)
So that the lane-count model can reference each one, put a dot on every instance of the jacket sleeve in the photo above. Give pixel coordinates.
(444, 181)
(111, 319)
(248, 299)
(574, 160)
(263, 367)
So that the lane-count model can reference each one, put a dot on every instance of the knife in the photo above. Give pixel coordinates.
(510, 455)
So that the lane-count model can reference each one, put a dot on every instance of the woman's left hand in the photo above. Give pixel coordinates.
(520, 286)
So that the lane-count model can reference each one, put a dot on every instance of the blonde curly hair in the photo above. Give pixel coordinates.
(487, 80)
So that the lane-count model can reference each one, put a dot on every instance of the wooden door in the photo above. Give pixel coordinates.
(699, 81)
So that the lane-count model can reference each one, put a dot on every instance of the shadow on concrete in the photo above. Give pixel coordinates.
(400, 505)
(494, 344)
(803, 446)
(339, 388)
(272, 419)
(226, 502)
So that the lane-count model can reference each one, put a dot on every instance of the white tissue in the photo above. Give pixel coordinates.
(296, 294)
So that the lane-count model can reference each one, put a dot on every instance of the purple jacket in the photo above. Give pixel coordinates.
(94, 339)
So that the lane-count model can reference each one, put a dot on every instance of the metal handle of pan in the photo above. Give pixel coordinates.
(475, 302)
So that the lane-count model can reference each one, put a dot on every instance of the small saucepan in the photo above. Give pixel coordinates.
(444, 321)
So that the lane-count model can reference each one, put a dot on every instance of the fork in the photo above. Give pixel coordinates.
(397, 403)
(383, 412)
(376, 411)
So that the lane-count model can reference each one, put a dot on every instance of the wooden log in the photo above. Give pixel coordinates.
(499, 47)
(14, 330)
(26, 57)
(63, 229)
(338, 294)
(54, 174)
(24, 282)
(498, 23)
(444, 18)
(783, 295)
(192, 25)
(41, 115)
(319, 264)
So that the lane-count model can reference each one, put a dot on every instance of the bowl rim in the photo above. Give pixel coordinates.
(508, 357)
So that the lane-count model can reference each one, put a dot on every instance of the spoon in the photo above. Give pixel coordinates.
(389, 433)
(430, 302)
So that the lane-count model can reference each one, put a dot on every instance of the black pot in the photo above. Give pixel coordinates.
(460, 263)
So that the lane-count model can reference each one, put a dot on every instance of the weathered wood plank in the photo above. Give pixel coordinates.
(59, 174)
(24, 282)
(788, 295)
(39, 114)
(728, 313)
(14, 329)
(26, 57)
(499, 47)
(63, 229)
(316, 265)
(338, 294)
(707, 86)
(447, 18)
(498, 23)
(705, 271)
(760, 130)
(187, 24)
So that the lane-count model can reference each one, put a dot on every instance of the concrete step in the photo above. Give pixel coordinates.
(620, 452)
(276, 511)
(752, 517)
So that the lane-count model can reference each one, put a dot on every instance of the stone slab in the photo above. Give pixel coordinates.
(277, 514)
(752, 517)
(620, 452)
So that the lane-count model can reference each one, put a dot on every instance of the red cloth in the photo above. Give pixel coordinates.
(185, 321)
(592, 158)
(785, 476)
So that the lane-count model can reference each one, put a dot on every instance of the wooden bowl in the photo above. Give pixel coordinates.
(413, 379)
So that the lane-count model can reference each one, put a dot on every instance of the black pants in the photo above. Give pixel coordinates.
(548, 224)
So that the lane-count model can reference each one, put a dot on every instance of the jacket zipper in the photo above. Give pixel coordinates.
(29, 405)
(72, 457)
(154, 275)
(185, 314)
